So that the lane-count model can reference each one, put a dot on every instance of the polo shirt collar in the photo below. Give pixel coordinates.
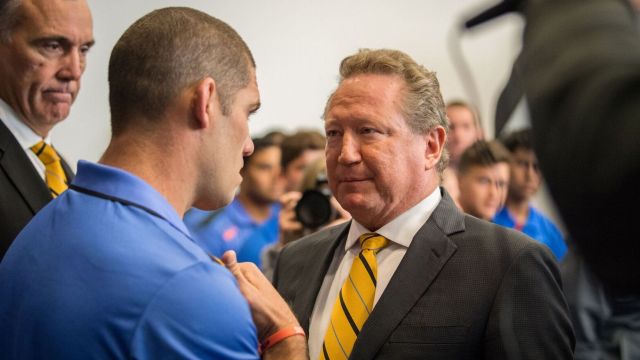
(125, 187)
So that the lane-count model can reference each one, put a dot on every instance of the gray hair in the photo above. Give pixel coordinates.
(9, 16)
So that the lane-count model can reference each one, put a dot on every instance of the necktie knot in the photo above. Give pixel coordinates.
(45, 153)
(372, 241)
(54, 173)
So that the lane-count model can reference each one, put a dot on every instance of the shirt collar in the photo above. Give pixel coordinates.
(122, 185)
(24, 134)
(403, 228)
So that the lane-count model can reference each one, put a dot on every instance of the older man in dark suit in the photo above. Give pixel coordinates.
(43, 48)
(411, 277)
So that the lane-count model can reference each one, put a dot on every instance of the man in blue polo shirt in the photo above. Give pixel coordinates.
(108, 269)
(518, 213)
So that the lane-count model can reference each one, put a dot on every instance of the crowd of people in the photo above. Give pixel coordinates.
(400, 232)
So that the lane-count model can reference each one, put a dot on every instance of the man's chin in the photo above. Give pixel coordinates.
(56, 114)
(353, 202)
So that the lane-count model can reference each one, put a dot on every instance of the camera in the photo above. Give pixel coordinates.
(314, 208)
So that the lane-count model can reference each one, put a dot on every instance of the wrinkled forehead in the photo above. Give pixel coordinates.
(70, 19)
(367, 91)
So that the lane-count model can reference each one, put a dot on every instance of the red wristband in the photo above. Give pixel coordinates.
(280, 335)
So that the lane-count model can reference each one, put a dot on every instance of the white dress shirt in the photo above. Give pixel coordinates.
(400, 232)
(24, 134)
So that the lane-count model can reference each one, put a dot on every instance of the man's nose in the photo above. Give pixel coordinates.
(349, 150)
(248, 147)
(72, 65)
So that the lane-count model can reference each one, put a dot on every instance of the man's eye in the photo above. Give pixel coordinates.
(331, 133)
(51, 46)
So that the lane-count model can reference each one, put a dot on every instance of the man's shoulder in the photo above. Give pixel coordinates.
(483, 238)
(539, 218)
(324, 237)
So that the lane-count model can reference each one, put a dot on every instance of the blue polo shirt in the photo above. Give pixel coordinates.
(108, 270)
(232, 228)
(537, 226)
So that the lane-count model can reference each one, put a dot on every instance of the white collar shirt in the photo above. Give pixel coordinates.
(25, 136)
(400, 232)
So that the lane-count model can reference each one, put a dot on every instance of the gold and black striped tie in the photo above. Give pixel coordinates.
(355, 300)
(54, 174)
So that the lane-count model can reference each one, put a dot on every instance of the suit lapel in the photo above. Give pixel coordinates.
(320, 255)
(19, 169)
(428, 253)
(67, 170)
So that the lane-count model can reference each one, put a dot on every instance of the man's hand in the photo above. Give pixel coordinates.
(269, 310)
(290, 227)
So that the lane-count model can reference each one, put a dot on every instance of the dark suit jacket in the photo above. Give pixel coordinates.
(465, 289)
(22, 190)
(581, 73)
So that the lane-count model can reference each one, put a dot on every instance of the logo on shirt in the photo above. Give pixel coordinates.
(230, 233)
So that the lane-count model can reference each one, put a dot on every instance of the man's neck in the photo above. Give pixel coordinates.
(259, 212)
(153, 164)
(519, 209)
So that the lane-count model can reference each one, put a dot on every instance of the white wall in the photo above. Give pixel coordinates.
(298, 45)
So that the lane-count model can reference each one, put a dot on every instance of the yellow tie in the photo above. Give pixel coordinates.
(54, 175)
(355, 300)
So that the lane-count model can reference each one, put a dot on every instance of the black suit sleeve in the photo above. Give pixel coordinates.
(529, 317)
(581, 71)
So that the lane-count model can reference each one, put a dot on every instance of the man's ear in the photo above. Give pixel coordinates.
(204, 103)
(435, 138)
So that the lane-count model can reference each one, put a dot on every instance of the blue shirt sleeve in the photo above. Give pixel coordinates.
(198, 314)
(556, 241)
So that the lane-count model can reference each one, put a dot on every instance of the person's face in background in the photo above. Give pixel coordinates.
(294, 171)
(42, 62)
(483, 189)
(525, 175)
(376, 164)
(463, 131)
(261, 176)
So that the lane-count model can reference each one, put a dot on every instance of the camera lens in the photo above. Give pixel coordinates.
(314, 209)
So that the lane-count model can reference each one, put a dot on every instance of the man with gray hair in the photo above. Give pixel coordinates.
(109, 270)
(411, 277)
(43, 53)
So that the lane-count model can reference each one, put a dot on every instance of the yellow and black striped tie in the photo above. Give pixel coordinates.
(54, 174)
(355, 300)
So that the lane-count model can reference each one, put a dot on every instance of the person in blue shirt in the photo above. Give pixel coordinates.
(525, 181)
(250, 222)
(108, 269)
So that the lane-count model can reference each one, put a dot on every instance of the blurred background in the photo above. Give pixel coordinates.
(298, 45)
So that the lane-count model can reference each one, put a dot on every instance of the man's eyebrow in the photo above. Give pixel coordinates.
(60, 39)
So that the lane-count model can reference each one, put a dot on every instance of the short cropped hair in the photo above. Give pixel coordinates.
(423, 106)
(483, 153)
(520, 139)
(294, 145)
(168, 50)
(10, 15)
